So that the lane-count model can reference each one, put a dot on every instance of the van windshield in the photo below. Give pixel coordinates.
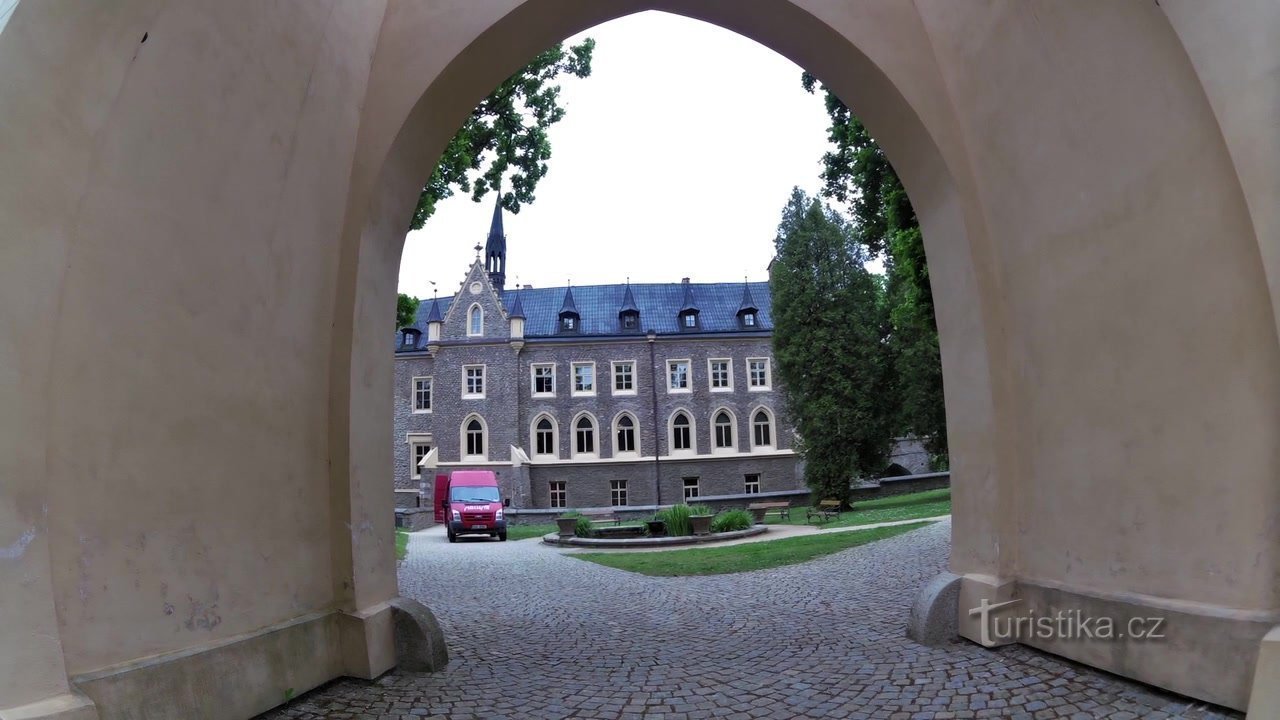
(476, 494)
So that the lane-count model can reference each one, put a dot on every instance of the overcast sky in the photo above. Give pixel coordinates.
(674, 159)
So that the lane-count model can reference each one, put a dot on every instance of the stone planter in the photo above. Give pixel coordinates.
(758, 514)
(566, 526)
(701, 524)
(657, 528)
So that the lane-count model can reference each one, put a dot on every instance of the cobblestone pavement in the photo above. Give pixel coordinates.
(536, 634)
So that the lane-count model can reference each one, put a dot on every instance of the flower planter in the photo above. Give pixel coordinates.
(701, 524)
(566, 526)
(657, 528)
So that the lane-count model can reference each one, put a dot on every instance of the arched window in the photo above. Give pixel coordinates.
(544, 437)
(625, 435)
(762, 429)
(584, 436)
(475, 321)
(473, 438)
(681, 432)
(723, 424)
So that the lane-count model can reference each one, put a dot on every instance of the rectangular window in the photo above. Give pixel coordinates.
(678, 376)
(690, 488)
(584, 378)
(752, 486)
(758, 373)
(418, 449)
(624, 377)
(557, 493)
(422, 394)
(544, 379)
(472, 381)
(618, 492)
(721, 372)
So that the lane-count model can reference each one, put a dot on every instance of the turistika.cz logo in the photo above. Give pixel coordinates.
(1060, 625)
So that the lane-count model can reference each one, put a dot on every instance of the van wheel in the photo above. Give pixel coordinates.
(452, 537)
(502, 536)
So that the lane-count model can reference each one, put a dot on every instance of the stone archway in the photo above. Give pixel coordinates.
(203, 219)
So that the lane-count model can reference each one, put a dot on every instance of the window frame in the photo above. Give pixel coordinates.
(555, 437)
(613, 378)
(471, 315)
(557, 488)
(688, 388)
(635, 435)
(768, 374)
(696, 486)
(414, 440)
(464, 432)
(692, 449)
(413, 393)
(573, 378)
(533, 379)
(748, 479)
(715, 431)
(595, 436)
(616, 493)
(484, 385)
(772, 426)
(711, 377)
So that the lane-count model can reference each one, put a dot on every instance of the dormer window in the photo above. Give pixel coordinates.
(630, 321)
(689, 320)
(568, 323)
(411, 338)
(748, 319)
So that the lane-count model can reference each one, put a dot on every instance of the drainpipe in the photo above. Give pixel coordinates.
(651, 336)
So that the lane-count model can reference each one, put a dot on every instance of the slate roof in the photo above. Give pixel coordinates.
(659, 305)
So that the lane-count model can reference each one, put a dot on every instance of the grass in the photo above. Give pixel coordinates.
(743, 557)
(524, 532)
(402, 543)
(930, 503)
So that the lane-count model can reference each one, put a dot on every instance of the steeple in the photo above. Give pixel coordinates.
(495, 251)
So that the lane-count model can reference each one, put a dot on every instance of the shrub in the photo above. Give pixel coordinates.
(701, 510)
(583, 528)
(677, 519)
(731, 520)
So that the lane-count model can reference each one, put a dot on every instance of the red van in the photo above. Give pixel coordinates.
(472, 504)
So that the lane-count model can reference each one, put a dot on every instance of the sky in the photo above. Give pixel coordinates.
(674, 159)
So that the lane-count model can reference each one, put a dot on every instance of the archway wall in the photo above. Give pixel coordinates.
(202, 237)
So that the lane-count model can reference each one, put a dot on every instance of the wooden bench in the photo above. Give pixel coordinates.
(762, 509)
(826, 510)
(602, 518)
(619, 531)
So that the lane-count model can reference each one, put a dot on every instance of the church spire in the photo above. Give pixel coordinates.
(496, 247)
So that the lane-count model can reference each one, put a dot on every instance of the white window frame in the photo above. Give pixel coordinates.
(711, 376)
(413, 440)
(635, 435)
(697, 488)
(484, 439)
(557, 487)
(595, 436)
(471, 311)
(688, 388)
(555, 437)
(613, 377)
(671, 433)
(484, 382)
(747, 483)
(773, 429)
(413, 394)
(733, 431)
(573, 379)
(614, 491)
(533, 379)
(768, 375)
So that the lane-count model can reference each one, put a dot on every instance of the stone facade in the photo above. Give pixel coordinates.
(509, 410)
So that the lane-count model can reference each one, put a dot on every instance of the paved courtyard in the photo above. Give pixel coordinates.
(534, 633)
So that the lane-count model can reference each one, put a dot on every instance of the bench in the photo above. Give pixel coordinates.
(602, 518)
(619, 531)
(826, 510)
(762, 509)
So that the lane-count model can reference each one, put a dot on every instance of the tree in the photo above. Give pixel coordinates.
(831, 363)
(857, 173)
(507, 131)
(406, 310)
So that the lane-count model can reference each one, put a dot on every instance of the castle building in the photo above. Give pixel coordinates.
(596, 395)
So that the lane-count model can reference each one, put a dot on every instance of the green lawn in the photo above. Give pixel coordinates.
(524, 532)
(743, 557)
(402, 544)
(930, 503)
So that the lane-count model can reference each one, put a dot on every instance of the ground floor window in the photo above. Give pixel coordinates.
(753, 484)
(420, 450)
(618, 492)
(557, 494)
(690, 488)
